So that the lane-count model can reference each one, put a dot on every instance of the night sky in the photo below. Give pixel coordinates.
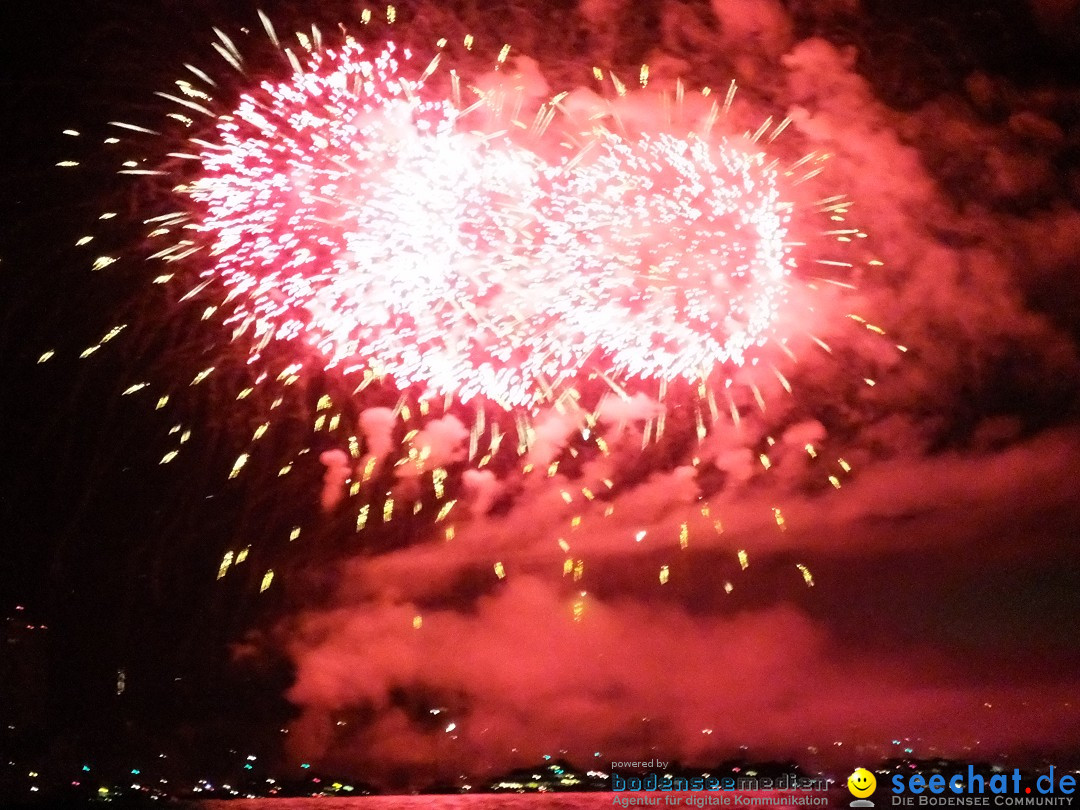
(945, 590)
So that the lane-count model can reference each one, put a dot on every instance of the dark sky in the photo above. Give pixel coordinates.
(945, 586)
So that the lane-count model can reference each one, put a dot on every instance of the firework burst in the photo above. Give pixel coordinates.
(349, 213)
(374, 225)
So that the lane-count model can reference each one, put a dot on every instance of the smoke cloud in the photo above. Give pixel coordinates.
(883, 555)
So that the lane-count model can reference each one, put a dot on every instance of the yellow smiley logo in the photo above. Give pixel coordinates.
(861, 783)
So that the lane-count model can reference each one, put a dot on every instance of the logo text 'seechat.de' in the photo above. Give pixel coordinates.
(968, 789)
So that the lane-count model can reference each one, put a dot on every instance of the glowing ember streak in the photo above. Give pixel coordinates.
(350, 212)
